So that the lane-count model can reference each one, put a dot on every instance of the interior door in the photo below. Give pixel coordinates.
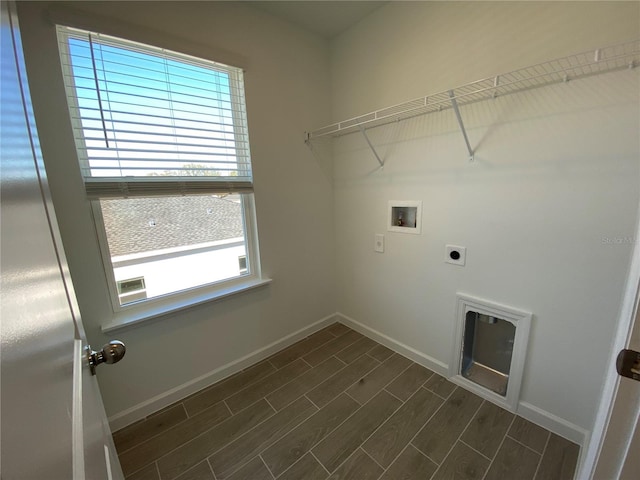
(619, 457)
(53, 420)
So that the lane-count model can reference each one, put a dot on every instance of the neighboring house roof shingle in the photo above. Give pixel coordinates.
(138, 225)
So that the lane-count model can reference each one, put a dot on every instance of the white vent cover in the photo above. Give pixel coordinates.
(489, 350)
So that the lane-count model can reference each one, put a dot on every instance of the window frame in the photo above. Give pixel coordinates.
(163, 304)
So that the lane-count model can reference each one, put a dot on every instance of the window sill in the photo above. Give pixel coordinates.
(127, 319)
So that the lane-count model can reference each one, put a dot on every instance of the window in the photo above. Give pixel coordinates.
(163, 149)
(131, 289)
(242, 263)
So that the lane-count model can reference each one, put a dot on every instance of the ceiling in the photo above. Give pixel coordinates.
(327, 19)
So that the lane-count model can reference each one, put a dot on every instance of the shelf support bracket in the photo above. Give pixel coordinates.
(366, 137)
(454, 104)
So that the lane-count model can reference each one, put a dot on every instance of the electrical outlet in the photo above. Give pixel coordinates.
(455, 255)
(378, 245)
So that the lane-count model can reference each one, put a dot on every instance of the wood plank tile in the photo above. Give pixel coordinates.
(358, 467)
(559, 459)
(409, 381)
(410, 465)
(356, 349)
(463, 464)
(377, 379)
(486, 430)
(233, 455)
(529, 434)
(201, 471)
(441, 432)
(307, 468)
(150, 472)
(514, 460)
(440, 386)
(143, 430)
(338, 329)
(304, 383)
(254, 470)
(201, 446)
(225, 388)
(344, 440)
(286, 451)
(300, 348)
(329, 349)
(394, 435)
(268, 384)
(380, 353)
(338, 383)
(149, 451)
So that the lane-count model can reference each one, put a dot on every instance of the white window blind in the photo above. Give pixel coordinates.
(150, 122)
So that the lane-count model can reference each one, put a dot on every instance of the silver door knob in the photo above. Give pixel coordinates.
(112, 352)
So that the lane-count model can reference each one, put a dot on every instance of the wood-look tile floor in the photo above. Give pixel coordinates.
(338, 405)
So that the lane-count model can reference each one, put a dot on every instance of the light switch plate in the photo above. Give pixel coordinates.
(455, 254)
(378, 245)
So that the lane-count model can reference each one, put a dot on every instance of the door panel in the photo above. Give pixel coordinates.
(53, 420)
(101, 459)
(631, 467)
(619, 455)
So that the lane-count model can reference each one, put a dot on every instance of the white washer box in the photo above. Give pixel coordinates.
(405, 216)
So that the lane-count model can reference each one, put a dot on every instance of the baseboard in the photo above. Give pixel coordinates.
(399, 347)
(146, 408)
(526, 410)
(551, 422)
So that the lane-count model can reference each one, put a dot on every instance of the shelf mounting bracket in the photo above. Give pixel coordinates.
(366, 137)
(454, 104)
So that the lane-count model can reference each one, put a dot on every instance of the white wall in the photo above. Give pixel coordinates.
(556, 174)
(287, 89)
(188, 269)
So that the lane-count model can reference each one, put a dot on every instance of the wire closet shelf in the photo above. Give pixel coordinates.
(593, 62)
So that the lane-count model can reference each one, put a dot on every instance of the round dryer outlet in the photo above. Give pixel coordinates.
(455, 254)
